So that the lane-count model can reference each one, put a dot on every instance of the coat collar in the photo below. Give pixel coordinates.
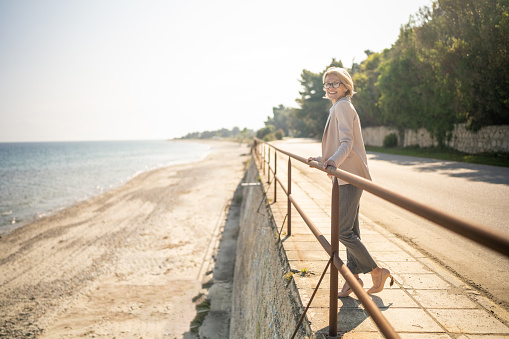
(349, 99)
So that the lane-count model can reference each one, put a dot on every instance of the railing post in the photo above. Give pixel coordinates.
(260, 153)
(333, 308)
(275, 172)
(263, 159)
(289, 218)
(257, 151)
(268, 167)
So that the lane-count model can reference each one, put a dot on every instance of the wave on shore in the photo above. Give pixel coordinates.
(41, 178)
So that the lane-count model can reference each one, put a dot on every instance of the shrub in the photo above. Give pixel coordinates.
(262, 132)
(279, 134)
(390, 140)
(269, 137)
(267, 134)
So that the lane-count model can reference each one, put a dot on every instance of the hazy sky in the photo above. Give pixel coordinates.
(113, 70)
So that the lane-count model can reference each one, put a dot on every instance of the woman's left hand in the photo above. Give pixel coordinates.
(329, 163)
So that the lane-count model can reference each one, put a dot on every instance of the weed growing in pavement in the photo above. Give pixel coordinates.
(288, 276)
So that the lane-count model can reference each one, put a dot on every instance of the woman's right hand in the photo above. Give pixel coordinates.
(311, 159)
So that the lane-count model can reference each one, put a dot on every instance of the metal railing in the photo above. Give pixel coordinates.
(492, 239)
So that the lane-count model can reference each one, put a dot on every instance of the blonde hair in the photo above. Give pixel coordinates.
(345, 77)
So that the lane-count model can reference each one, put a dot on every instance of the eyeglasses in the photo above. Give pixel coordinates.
(335, 84)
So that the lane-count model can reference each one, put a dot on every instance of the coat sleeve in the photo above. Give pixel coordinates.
(344, 116)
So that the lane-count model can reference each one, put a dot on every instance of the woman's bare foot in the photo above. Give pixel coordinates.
(346, 290)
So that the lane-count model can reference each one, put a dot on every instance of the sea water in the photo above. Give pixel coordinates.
(39, 178)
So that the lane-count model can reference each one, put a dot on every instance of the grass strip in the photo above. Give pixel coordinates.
(449, 154)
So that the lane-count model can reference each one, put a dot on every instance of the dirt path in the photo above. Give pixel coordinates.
(125, 264)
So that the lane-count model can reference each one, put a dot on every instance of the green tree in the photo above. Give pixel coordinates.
(398, 84)
(264, 131)
(412, 88)
(280, 119)
(365, 79)
(468, 38)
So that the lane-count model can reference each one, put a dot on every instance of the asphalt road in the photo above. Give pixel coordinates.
(474, 192)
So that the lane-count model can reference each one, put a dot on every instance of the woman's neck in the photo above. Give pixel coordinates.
(334, 102)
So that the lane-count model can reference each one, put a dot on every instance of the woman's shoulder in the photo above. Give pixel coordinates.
(344, 105)
(343, 102)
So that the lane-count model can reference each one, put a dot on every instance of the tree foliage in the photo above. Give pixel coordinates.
(412, 91)
(281, 119)
(469, 38)
(364, 80)
(450, 64)
(235, 133)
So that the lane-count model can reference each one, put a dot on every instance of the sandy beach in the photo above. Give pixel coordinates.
(125, 264)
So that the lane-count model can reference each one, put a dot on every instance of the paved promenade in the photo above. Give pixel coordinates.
(426, 300)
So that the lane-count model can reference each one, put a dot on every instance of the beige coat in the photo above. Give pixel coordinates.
(342, 140)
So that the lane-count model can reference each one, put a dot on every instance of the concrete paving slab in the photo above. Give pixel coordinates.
(322, 225)
(302, 246)
(308, 246)
(408, 267)
(297, 230)
(442, 299)
(307, 255)
(374, 238)
(310, 281)
(382, 246)
(321, 299)
(389, 256)
(411, 320)
(490, 306)
(307, 237)
(447, 275)
(363, 335)
(295, 224)
(349, 320)
(392, 298)
(421, 281)
(424, 336)
(314, 266)
(366, 229)
(317, 215)
(476, 336)
(417, 254)
(469, 321)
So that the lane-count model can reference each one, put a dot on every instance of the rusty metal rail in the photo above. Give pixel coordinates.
(492, 239)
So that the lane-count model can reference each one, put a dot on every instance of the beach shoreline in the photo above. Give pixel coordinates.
(126, 263)
(97, 189)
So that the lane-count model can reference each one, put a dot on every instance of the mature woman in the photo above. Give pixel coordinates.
(342, 147)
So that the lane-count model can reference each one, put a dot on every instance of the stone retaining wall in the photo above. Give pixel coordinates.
(265, 304)
(487, 139)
